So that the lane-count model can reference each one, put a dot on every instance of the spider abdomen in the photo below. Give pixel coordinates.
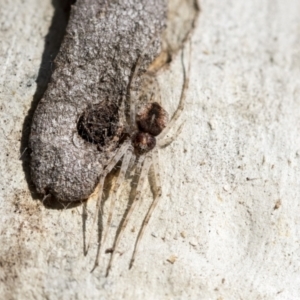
(152, 119)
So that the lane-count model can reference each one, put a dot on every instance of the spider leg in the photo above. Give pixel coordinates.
(162, 143)
(145, 163)
(157, 196)
(113, 161)
(132, 98)
(131, 166)
(125, 164)
(182, 98)
(122, 115)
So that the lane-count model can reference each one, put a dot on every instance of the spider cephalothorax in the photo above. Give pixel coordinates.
(143, 142)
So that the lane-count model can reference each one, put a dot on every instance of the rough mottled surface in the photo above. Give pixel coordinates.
(99, 52)
(229, 214)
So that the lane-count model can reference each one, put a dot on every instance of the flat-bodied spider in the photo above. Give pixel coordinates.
(146, 132)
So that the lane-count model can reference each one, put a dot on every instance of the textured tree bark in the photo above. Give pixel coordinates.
(227, 226)
(103, 41)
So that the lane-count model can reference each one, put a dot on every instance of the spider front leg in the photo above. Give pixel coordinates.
(144, 164)
(112, 163)
(157, 196)
(128, 157)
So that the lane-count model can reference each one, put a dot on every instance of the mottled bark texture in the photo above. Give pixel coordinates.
(98, 55)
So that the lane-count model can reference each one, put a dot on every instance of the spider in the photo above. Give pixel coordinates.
(146, 132)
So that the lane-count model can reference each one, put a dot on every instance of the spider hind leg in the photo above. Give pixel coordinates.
(163, 138)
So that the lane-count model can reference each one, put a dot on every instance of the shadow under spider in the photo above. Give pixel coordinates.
(53, 41)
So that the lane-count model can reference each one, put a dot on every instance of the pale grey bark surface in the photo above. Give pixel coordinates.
(229, 215)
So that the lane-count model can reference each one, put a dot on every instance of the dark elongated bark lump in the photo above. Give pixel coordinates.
(99, 52)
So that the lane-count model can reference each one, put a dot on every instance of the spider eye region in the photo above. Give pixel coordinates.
(152, 119)
(143, 142)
